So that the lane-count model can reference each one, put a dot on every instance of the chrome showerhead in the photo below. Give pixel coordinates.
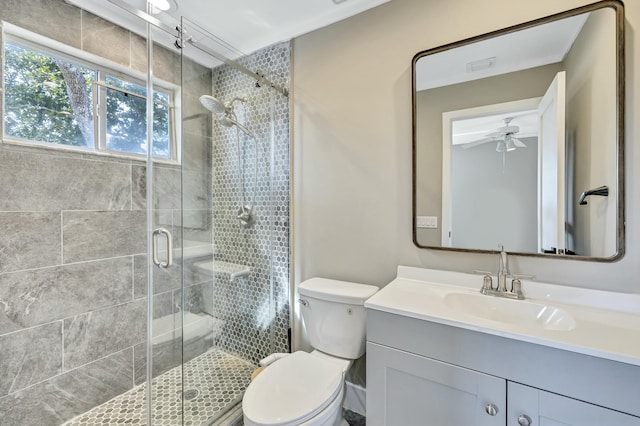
(224, 112)
(213, 105)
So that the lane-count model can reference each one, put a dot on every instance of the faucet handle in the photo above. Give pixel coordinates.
(522, 277)
(487, 282)
(516, 284)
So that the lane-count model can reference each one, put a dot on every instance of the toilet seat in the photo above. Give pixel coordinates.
(293, 390)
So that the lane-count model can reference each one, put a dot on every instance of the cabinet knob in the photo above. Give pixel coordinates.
(491, 409)
(524, 420)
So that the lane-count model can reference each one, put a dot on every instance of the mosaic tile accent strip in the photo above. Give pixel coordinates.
(255, 308)
(213, 382)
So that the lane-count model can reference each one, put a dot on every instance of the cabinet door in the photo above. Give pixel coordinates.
(549, 409)
(404, 389)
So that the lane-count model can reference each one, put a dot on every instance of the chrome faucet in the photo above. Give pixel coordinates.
(515, 292)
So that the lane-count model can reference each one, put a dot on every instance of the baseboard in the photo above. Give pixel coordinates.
(355, 399)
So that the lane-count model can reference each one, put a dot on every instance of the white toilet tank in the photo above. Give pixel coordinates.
(334, 315)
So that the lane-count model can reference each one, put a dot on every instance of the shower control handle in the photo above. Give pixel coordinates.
(154, 248)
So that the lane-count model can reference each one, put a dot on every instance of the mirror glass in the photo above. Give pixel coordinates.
(518, 138)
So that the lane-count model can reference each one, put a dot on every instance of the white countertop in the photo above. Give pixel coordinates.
(606, 324)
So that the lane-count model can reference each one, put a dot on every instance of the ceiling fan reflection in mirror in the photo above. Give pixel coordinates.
(507, 138)
(504, 137)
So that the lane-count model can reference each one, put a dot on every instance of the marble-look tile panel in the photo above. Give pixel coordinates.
(204, 299)
(62, 183)
(198, 298)
(105, 39)
(166, 63)
(54, 19)
(29, 240)
(39, 296)
(208, 291)
(196, 81)
(30, 356)
(164, 308)
(65, 396)
(91, 336)
(197, 143)
(166, 353)
(89, 235)
(164, 279)
(197, 225)
(167, 187)
(197, 188)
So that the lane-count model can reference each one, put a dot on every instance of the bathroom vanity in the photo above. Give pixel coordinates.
(441, 353)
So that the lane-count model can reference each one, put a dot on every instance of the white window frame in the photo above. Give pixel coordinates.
(103, 68)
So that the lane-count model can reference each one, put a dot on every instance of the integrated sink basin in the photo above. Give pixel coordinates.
(592, 322)
(513, 312)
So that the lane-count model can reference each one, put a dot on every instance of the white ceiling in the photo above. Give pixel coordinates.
(532, 47)
(245, 25)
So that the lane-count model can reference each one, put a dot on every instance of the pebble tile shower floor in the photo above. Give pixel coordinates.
(218, 378)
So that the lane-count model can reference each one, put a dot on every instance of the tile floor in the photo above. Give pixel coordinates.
(213, 382)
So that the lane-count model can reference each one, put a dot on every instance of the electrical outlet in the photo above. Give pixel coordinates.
(430, 222)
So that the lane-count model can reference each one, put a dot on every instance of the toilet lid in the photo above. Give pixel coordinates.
(293, 389)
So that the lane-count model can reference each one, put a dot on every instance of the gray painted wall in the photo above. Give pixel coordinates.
(432, 103)
(492, 205)
(352, 144)
(590, 71)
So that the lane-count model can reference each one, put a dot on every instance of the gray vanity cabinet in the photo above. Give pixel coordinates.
(423, 373)
(407, 389)
(535, 407)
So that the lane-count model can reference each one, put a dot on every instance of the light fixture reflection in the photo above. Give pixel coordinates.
(162, 5)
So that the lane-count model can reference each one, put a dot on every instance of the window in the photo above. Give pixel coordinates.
(54, 99)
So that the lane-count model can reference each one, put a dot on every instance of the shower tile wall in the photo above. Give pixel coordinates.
(255, 309)
(72, 249)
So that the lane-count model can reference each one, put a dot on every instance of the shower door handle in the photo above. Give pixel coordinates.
(154, 248)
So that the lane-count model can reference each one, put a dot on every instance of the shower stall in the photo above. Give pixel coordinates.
(144, 287)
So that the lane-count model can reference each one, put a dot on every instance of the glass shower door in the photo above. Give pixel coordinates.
(207, 394)
(162, 177)
(234, 223)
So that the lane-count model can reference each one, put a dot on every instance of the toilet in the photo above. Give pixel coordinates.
(307, 389)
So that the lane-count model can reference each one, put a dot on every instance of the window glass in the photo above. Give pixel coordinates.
(47, 99)
(126, 121)
(50, 100)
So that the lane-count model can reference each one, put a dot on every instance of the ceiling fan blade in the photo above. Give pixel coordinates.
(478, 142)
(518, 143)
(505, 130)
